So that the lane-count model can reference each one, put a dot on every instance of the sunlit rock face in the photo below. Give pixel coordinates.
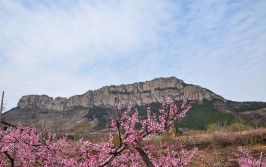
(139, 93)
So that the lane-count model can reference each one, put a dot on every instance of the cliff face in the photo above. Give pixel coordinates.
(139, 93)
(63, 114)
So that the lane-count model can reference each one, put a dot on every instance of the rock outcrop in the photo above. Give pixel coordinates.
(139, 93)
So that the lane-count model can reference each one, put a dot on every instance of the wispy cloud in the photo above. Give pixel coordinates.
(61, 48)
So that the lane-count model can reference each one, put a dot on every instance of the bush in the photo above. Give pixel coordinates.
(237, 127)
(177, 131)
(213, 128)
(116, 141)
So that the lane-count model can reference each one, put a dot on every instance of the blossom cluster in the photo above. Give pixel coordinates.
(23, 146)
(246, 160)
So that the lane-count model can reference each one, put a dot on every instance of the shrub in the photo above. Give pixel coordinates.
(116, 141)
(213, 128)
(237, 127)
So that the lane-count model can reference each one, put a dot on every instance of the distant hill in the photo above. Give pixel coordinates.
(97, 107)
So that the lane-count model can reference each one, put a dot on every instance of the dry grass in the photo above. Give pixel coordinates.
(219, 148)
(203, 139)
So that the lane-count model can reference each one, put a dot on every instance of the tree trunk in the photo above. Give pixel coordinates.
(144, 157)
(10, 158)
(108, 160)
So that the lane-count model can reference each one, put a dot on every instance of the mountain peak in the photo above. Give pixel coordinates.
(138, 93)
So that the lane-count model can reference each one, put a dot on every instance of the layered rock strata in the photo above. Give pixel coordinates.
(138, 93)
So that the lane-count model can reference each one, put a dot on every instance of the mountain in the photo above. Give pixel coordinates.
(139, 93)
(96, 107)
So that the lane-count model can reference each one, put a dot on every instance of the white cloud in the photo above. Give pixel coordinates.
(56, 48)
(62, 48)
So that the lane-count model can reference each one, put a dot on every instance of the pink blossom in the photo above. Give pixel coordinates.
(24, 146)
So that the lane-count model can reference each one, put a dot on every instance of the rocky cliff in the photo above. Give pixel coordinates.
(139, 93)
(95, 108)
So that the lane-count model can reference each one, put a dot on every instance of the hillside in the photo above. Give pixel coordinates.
(96, 107)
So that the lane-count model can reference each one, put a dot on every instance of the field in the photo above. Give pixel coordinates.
(220, 148)
(138, 140)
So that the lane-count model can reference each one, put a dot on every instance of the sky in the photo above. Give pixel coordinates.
(67, 47)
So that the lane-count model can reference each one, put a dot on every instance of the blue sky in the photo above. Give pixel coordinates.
(64, 48)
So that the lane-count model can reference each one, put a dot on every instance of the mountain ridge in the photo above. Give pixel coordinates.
(138, 92)
(96, 107)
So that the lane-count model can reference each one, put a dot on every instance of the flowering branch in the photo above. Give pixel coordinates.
(25, 147)
(244, 159)
(132, 137)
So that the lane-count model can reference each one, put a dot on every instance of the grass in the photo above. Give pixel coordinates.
(219, 148)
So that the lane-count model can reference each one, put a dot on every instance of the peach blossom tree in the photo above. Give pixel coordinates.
(24, 146)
